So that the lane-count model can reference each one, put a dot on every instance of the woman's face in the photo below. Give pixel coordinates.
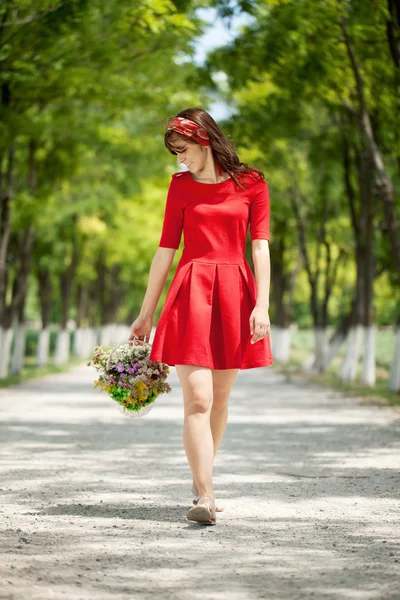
(191, 154)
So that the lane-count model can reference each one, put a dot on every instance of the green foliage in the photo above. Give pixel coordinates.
(289, 79)
(91, 86)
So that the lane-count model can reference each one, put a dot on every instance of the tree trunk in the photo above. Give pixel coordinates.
(338, 338)
(81, 304)
(66, 288)
(113, 295)
(281, 289)
(23, 250)
(6, 196)
(348, 369)
(367, 212)
(394, 378)
(362, 220)
(45, 290)
(384, 182)
(318, 306)
(393, 30)
(17, 361)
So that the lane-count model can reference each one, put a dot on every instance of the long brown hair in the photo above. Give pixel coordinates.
(223, 150)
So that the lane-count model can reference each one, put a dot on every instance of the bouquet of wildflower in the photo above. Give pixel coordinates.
(129, 376)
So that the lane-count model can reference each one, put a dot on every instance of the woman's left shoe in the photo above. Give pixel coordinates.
(196, 499)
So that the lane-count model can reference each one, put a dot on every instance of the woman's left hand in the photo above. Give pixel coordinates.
(259, 323)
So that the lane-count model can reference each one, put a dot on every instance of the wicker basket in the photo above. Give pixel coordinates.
(145, 409)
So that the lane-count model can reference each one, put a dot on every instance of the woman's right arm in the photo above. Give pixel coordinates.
(159, 269)
(160, 265)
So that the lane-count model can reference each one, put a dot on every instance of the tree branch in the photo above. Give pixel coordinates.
(31, 18)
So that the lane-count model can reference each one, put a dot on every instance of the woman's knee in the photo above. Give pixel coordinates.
(197, 403)
(197, 388)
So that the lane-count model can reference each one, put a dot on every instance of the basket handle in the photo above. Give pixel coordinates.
(132, 341)
(139, 341)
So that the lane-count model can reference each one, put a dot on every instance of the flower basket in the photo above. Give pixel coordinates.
(129, 377)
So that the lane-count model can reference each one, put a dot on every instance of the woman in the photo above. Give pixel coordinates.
(215, 318)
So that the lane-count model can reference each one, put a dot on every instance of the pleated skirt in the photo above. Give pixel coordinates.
(205, 320)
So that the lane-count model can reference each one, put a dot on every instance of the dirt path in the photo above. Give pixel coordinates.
(94, 504)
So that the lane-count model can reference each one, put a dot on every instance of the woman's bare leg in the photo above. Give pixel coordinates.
(222, 385)
(201, 394)
(197, 387)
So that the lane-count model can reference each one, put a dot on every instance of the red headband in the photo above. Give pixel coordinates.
(190, 129)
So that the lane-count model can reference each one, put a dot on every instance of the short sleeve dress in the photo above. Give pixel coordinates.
(205, 320)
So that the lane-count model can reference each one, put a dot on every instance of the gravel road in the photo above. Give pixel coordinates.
(94, 504)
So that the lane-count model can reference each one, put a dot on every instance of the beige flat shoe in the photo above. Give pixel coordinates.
(204, 512)
(196, 499)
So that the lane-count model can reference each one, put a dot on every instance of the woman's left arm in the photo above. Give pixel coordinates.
(259, 318)
(260, 235)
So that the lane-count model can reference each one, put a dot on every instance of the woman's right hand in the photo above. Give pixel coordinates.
(141, 327)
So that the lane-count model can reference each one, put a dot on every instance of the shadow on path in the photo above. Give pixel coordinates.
(94, 504)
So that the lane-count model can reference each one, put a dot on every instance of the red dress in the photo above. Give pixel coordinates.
(205, 318)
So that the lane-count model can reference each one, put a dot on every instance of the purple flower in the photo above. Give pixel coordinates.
(119, 367)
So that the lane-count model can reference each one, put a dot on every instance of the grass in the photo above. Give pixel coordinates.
(31, 371)
(302, 341)
(385, 343)
(377, 395)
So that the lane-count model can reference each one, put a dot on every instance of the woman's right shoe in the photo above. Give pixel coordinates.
(196, 499)
(204, 512)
